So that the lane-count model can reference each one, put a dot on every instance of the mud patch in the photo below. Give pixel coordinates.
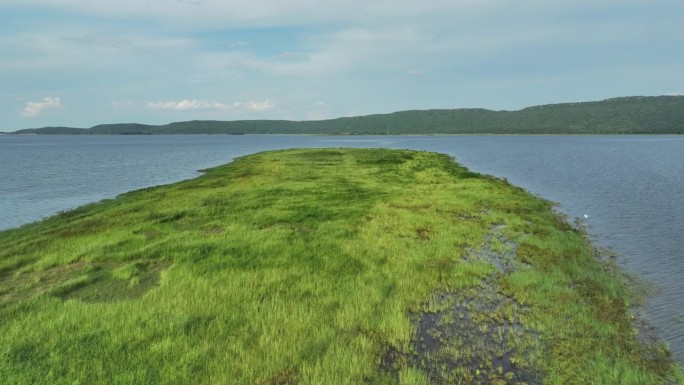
(476, 335)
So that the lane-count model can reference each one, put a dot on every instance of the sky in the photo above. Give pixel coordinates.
(79, 63)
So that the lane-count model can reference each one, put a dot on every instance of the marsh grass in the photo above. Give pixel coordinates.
(308, 267)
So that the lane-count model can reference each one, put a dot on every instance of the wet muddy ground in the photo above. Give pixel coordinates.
(477, 335)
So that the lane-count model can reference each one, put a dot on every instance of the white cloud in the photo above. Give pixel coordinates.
(330, 52)
(187, 104)
(675, 93)
(259, 13)
(190, 105)
(36, 108)
(89, 47)
(255, 13)
(256, 106)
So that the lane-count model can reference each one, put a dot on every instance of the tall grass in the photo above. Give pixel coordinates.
(300, 266)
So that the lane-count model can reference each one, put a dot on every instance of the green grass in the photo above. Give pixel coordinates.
(316, 267)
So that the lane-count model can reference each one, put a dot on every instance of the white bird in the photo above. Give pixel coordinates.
(586, 216)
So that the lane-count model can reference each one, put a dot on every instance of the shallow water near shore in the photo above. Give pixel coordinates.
(629, 187)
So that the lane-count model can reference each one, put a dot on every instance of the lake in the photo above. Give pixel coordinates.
(631, 188)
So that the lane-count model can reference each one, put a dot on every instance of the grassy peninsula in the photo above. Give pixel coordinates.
(330, 266)
(627, 115)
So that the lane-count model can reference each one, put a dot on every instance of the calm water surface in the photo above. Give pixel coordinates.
(631, 187)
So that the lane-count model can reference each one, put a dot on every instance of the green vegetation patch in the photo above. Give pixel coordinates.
(335, 266)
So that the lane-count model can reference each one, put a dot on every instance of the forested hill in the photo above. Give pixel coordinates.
(627, 115)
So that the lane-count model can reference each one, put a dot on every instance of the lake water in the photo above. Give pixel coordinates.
(631, 187)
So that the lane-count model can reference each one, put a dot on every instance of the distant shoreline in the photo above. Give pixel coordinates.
(335, 134)
(628, 115)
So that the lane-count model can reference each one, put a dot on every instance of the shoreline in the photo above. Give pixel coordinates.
(355, 134)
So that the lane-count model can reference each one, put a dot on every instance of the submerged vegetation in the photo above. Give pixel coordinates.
(629, 115)
(330, 266)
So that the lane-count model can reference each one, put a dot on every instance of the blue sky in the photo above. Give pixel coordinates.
(84, 62)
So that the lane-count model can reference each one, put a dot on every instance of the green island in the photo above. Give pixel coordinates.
(626, 115)
(320, 266)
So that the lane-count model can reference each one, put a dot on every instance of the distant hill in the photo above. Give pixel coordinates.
(627, 115)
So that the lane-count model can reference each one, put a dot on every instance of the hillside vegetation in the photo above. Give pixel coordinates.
(630, 115)
(330, 266)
